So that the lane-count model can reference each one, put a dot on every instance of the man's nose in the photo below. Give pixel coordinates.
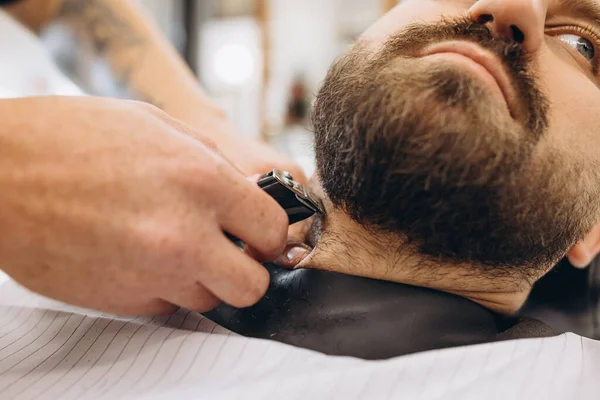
(521, 20)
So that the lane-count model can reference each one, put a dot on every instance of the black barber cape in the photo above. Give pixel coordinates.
(346, 315)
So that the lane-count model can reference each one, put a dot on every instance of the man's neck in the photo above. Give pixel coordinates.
(345, 247)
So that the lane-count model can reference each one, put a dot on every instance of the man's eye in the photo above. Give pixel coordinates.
(581, 44)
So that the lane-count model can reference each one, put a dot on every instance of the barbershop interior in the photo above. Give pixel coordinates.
(261, 61)
(337, 319)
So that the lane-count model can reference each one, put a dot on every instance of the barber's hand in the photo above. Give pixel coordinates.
(113, 205)
(254, 157)
(251, 156)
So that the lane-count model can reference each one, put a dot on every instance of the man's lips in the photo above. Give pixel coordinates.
(483, 63)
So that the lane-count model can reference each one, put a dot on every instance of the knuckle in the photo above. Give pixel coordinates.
(274, 238)
(253, 291)
(142, 105)
(194, 296)
(194, 173)
(208, 142)
(163, 240)
(206, 179)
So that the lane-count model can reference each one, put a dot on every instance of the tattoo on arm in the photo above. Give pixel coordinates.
(111, 37)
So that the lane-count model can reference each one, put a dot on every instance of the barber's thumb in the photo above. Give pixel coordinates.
(292, 255)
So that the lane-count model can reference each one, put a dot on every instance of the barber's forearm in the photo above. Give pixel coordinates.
(140, 56)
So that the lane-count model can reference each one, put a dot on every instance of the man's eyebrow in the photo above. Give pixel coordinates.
(583, 9)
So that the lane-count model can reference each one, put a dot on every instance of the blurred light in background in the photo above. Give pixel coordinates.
(230, 69)
(234, 65)
(231, 54)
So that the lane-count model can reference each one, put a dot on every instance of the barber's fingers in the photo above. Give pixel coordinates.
(142, 308)
(194, 297)
(293, 254)
(243, 209)
(231, 275)
(250, 214)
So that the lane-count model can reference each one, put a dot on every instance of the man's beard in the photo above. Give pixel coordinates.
(457, 88)
(423, 150)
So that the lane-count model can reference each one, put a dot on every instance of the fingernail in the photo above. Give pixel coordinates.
(292, 256)
(296, 254)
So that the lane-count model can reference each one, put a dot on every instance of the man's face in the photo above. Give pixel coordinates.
(469, 129)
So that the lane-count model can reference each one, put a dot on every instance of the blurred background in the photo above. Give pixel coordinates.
(260, 60)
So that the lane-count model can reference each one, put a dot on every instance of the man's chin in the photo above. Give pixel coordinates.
(437, 85)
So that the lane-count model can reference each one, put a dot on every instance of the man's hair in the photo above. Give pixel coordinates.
(421, 150)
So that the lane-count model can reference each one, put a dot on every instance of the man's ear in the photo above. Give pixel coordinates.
(582, 254)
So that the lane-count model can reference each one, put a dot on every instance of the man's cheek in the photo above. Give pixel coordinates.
(575, 102)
